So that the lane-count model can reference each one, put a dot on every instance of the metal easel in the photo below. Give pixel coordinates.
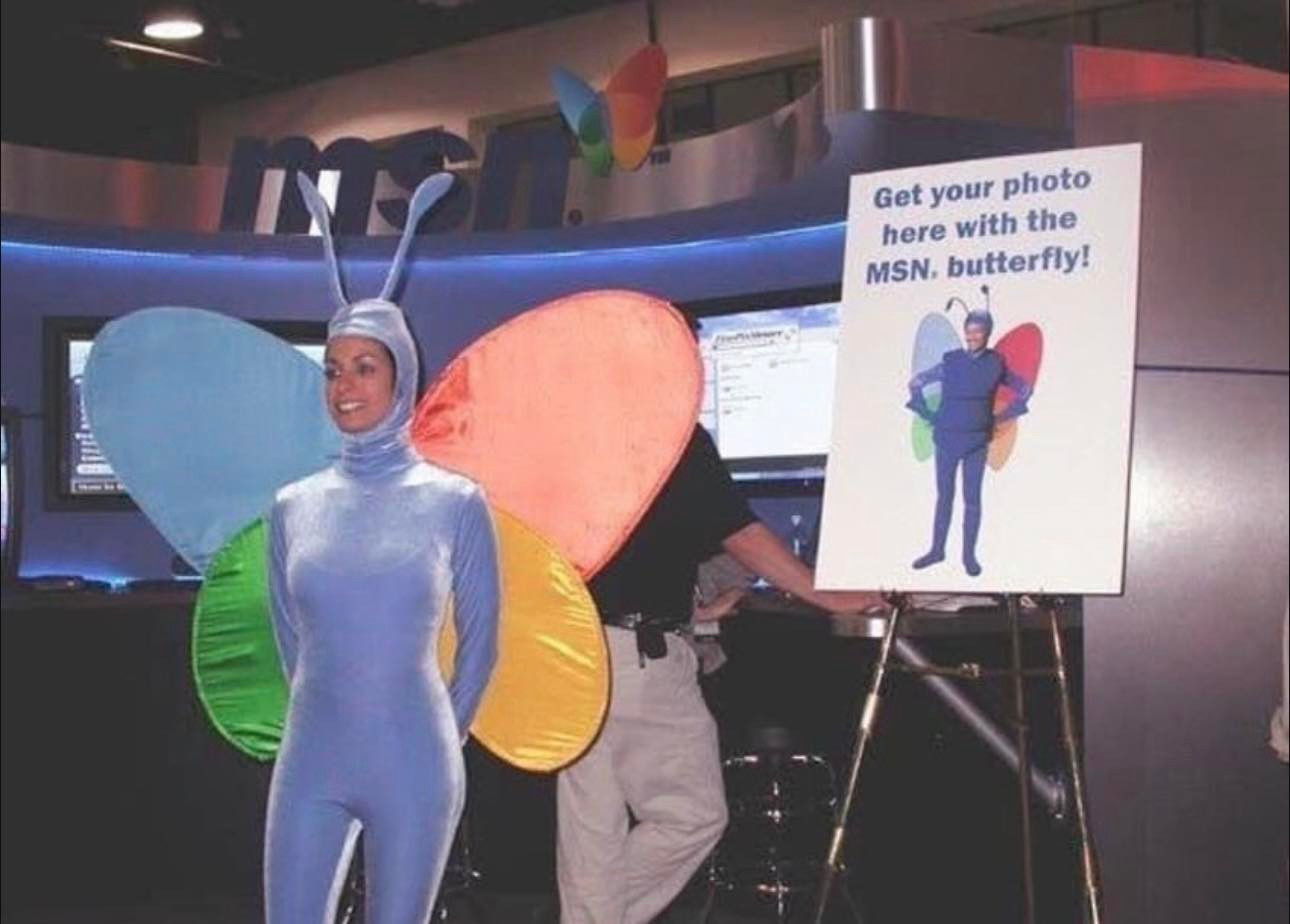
(834, 866)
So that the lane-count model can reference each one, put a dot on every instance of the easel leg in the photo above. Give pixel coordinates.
(1088, 857)
(868, 719)
(710, 899)
(851, 904)
(1023, 754)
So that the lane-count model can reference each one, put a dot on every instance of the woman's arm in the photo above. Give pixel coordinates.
(280, 606)
(476, 601)
(917, 400)
(1021, 394)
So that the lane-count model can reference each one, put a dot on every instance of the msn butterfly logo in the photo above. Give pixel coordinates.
(620, 124)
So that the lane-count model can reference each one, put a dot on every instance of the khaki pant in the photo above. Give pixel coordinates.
(657, 755)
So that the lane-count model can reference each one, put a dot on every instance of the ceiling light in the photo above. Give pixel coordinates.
(173, 27)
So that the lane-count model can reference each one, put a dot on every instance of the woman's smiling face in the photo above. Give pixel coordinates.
(360, 382)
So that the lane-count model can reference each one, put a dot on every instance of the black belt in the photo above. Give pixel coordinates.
(649, 631)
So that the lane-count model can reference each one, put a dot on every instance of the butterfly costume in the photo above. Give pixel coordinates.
(363, 557)
(307, 589)
(962, 427)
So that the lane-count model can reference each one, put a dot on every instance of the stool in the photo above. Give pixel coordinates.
(781, 806)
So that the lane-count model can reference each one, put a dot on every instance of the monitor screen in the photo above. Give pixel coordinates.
(81, 475)
(768, 384)
(87, 471)
(10, 493)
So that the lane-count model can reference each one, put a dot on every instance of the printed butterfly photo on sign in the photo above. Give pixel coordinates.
(619, 125)
(981, 415)
(967, 396)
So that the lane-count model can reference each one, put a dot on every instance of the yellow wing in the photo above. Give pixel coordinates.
(550, 689)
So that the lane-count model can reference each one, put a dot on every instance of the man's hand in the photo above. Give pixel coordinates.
(920, 408)
(721, 607)
(851, 601)
(761, 552)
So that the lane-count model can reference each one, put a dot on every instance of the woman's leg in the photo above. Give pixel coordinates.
(408, 832)
(308, 845)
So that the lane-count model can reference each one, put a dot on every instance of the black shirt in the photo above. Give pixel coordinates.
(655, 570)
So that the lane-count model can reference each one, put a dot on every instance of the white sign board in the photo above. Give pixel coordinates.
(976, 451)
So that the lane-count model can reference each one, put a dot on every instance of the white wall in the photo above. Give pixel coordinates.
(510, 71)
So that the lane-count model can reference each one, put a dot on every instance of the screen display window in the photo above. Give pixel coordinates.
(768, 388)
(87, 470)
(82, 475)
(6, 495)
(10, 493)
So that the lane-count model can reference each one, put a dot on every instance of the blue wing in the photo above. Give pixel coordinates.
(574, 96)
(203, 417)
(935, 337)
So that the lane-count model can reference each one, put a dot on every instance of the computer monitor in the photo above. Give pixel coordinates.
(769, 360)
(10, 493)
(78, 477)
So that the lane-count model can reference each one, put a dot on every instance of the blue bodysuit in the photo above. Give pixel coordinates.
(961, 430)
(363, 557)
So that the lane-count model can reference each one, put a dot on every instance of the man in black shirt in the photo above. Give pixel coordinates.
(657, 752)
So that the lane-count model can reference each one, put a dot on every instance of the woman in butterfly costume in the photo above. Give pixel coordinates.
(363, 558)
(962, 427)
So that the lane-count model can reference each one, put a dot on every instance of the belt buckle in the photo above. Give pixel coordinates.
(631, 621)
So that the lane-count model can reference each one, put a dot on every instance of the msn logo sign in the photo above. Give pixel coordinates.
(544, 153)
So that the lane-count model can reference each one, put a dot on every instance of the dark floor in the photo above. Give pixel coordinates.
(485, 909)
(121, 804)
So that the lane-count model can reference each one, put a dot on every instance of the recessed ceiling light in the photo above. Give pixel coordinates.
(173, 28)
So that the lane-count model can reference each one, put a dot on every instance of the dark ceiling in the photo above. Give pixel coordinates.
(65, 86)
